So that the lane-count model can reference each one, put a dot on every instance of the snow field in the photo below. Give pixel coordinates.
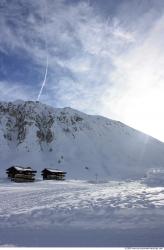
(80, 204)
(81, 212)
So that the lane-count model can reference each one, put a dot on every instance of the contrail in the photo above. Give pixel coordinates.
(47, 61)
(44, 81)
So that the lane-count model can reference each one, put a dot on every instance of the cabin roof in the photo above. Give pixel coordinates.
(156, 170)
(23, 169)
(53, 170)
(19, 168)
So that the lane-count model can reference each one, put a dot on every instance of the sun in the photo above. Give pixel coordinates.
(146, 113)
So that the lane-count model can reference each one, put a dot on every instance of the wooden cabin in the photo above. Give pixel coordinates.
(21, 174)
(53, 174)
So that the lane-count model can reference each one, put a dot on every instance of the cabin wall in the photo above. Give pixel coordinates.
(16, 179)
(11, 174)
(21, 176)
(53, 177)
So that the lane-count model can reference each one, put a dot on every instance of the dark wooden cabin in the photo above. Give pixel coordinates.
(21, 174)
(53, 174)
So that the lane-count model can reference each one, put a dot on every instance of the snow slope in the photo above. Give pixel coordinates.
(80, 213)
(86, 147)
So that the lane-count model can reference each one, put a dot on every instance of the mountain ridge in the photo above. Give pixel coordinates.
(85, 146)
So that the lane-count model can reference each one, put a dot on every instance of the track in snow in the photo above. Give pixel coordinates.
(80, 208)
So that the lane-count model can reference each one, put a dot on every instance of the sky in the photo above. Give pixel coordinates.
(105, 57)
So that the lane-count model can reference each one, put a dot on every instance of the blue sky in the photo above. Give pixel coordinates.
(105, 57)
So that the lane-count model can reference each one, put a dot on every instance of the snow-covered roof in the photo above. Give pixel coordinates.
(54, 170)
(156, 171)
(23, 169)
(19, 168)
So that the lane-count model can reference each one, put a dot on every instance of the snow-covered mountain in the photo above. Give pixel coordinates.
(86, 147)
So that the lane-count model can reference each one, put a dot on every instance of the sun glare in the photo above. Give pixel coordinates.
(146, 113)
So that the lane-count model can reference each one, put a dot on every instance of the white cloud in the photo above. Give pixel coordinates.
(137, 96)
(78, 40)
(112, 67)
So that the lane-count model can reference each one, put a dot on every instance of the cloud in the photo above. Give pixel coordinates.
(81, 45)
(137, 96)
(109, 65)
